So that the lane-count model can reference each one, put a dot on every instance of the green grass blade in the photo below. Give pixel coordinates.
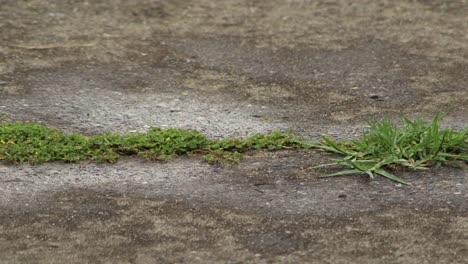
(342, 173)
(455, 156)
(391, 176)
(324, 165)
(332, 146)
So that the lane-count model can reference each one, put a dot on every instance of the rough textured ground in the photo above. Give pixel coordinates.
(230, 68)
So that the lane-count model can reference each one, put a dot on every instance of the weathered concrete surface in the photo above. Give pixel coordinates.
(230, 68)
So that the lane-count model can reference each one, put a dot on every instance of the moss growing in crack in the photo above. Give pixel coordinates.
(413, 144)
(23, 142)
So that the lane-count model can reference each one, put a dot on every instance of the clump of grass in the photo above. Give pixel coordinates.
(415, 144)
(23, 142)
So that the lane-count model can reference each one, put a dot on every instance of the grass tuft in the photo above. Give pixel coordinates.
(414, 144)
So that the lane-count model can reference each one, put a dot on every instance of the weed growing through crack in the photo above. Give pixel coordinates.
(415, 144)
(229, 150)
(23, 142)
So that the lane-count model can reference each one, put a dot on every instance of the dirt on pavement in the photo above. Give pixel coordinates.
(230, 68)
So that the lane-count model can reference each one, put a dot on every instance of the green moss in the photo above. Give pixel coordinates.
(413, 144)
(23, 142)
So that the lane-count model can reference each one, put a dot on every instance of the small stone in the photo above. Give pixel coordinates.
(374, 96)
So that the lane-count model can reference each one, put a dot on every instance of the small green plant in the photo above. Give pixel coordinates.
(414, 144)
(230, 150)
(22, 142)
(221, 157)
